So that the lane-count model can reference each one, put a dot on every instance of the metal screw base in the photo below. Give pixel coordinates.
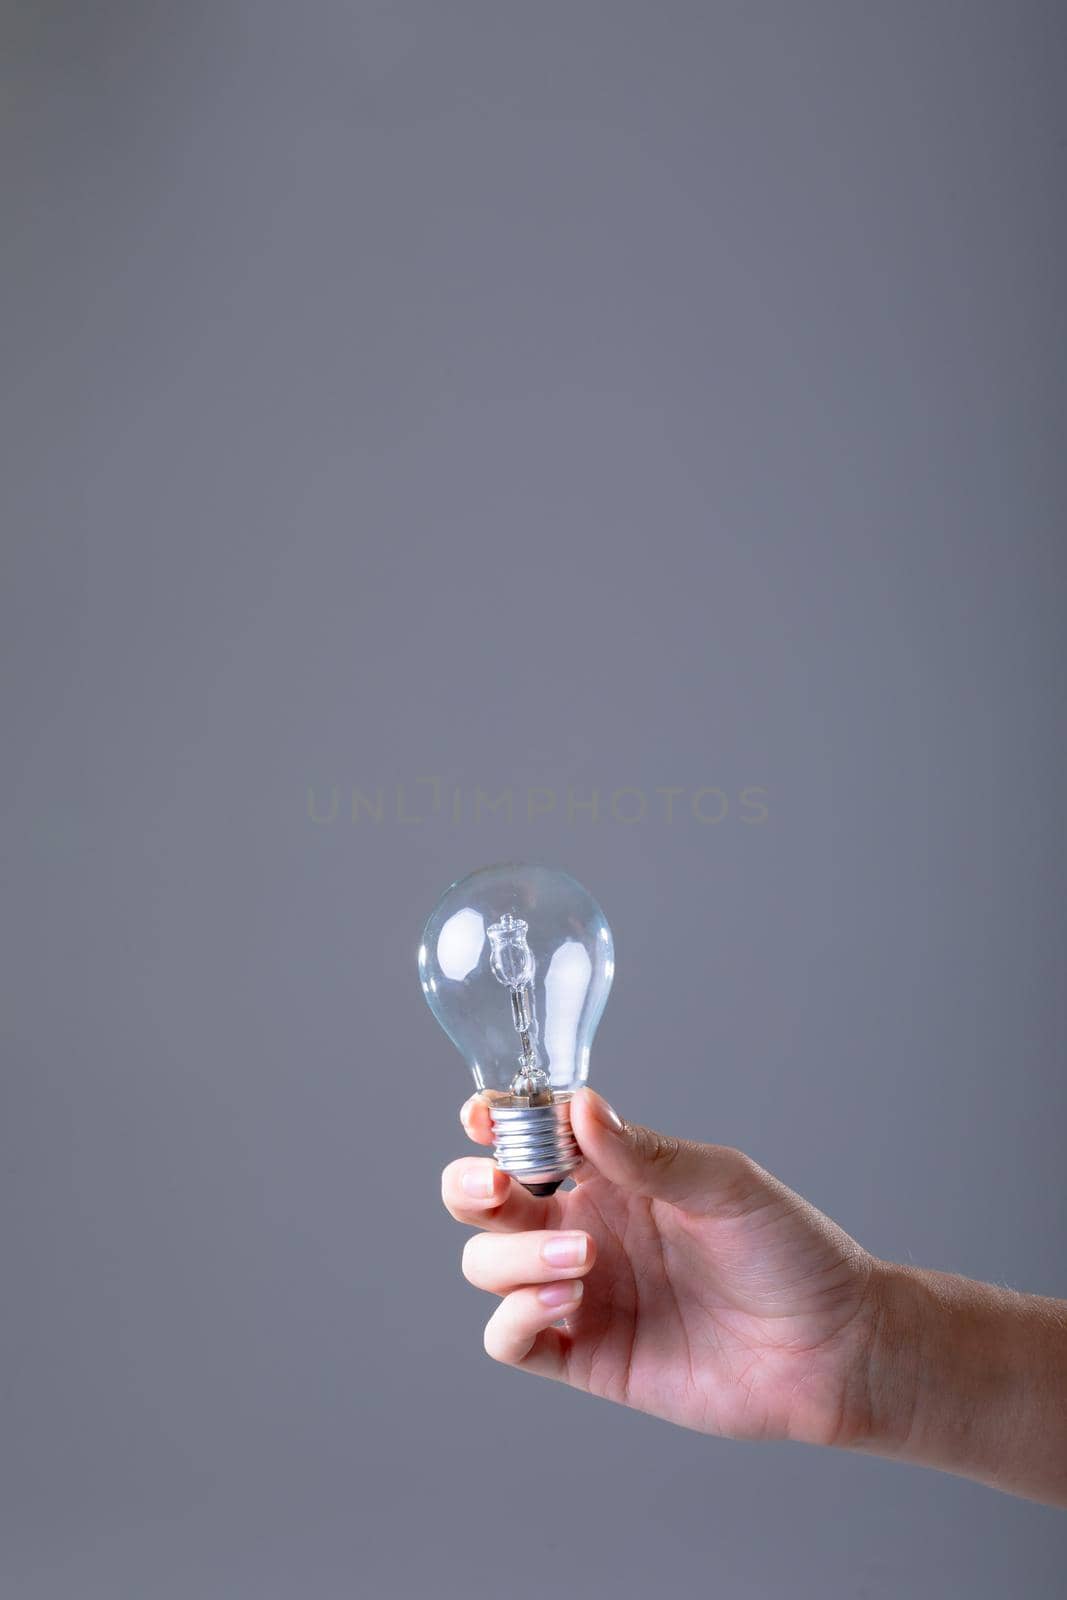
(534, 1143)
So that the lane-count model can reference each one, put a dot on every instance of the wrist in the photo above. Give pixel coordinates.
(967, 1377)
(900, 1330)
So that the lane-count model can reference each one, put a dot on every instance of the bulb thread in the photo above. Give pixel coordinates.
(535, 1144)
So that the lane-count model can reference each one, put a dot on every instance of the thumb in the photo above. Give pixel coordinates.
(699, 1178)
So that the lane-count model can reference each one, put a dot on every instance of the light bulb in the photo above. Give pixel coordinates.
(516, 963)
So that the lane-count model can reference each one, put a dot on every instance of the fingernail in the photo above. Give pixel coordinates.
(565, 1250)
(561, 1294)
(478, 1182)
(604, 1113)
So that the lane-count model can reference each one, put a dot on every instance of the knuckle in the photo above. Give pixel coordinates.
(660, 1149)
(469, 1259)
(743, 1171)
(741, 1181)
(490, 1344)
(449, 1181)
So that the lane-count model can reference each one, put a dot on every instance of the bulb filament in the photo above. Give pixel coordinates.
(513, 965)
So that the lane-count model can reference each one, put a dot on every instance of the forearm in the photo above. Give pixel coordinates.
(972, 1379)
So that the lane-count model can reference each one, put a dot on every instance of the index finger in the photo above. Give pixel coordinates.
(490, 1199)
(474, 1115)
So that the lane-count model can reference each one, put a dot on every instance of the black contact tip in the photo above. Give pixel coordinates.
(543, 1190)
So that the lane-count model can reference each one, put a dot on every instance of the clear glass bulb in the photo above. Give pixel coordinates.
(516, 963)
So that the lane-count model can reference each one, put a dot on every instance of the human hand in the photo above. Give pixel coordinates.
(700, 1288)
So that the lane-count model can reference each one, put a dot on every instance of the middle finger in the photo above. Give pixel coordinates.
(500, 1262)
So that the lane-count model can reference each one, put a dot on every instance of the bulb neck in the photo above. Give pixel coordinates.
(533, 1140)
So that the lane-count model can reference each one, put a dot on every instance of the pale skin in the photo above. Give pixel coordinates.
(683, 1280)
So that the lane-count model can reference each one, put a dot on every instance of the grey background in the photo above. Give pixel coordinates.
(579, 396)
